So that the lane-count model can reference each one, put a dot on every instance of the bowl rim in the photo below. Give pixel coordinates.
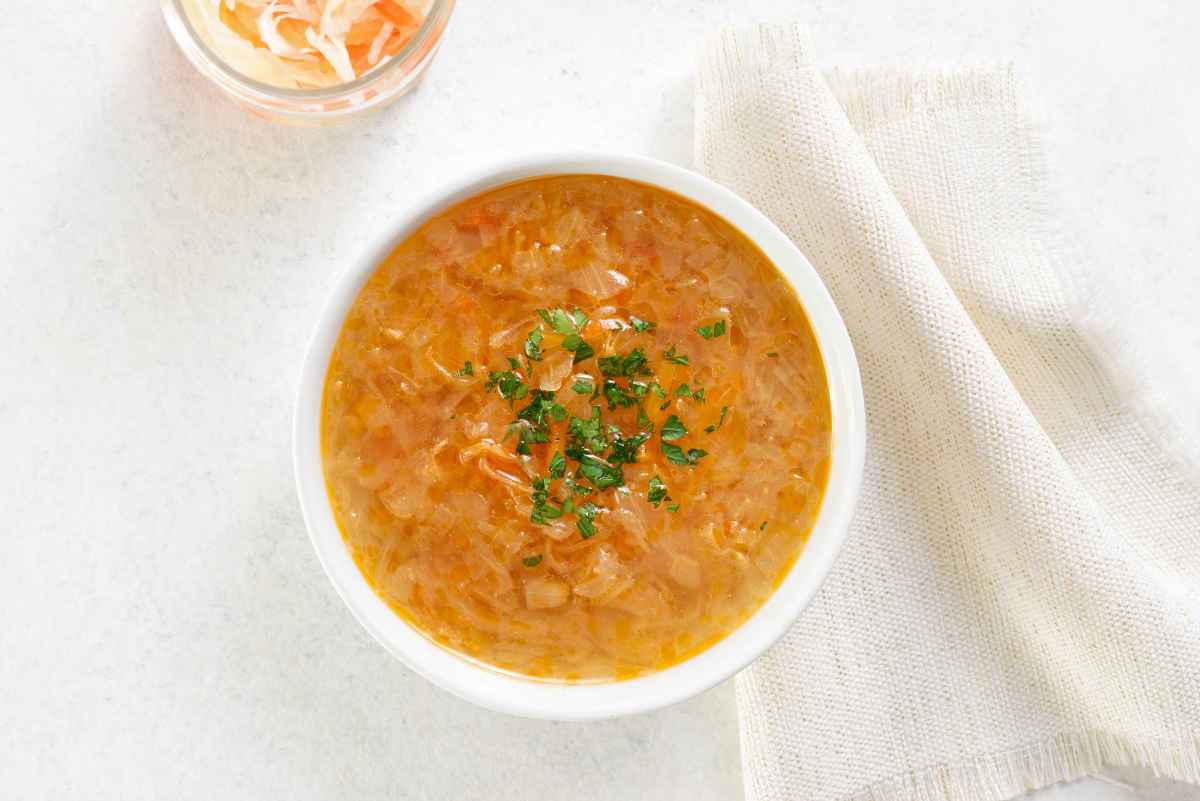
(307, 102)
(523, 696)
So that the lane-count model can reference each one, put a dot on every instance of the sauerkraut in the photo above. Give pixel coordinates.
(576, 428)
(306, 44)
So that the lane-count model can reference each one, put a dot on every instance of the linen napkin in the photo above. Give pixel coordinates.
(1019, 600)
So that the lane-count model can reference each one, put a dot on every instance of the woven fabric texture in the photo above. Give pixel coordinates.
(1019, 599)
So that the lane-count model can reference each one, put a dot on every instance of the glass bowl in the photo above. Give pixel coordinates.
(372, 90)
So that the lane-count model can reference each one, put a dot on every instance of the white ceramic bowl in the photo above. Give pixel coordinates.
(516, 695)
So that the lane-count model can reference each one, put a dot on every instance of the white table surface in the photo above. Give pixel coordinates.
(166, 630)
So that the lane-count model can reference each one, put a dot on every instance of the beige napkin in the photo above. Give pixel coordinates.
(1019, 601)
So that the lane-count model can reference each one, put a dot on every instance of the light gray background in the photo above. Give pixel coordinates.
(165, 629)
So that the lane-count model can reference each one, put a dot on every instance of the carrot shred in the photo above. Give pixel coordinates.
(396, 13)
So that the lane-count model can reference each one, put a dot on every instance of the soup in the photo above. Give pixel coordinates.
(576, 428)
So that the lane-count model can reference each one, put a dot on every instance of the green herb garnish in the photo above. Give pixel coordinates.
(543, 511)
(595, 451)
(576, 344)
(763, 526)
(532, 423)
(533, 344)
(542, 406)
(657, 492)
(532, 561)
(563, 323)
(673, 429)
(719, 423)
(586, 436)
(585, 519)
(631, 364)
(508, 382)
(675, 358)
(617, 395)
(468, 369)
(774, 354)
(527, 434)
(684, 391)
(677, 455)
(625, 449)
(602, 474)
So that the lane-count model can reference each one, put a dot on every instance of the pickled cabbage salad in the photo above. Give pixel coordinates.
(306, 44)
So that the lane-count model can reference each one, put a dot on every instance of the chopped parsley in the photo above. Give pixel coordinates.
(675, 358)
(533, 344)
(576, 344)
(585, 520)
(618, 396)
(468, 369)
(677, 455)
(763, 527)
(673, 429)
(532, 561)
(657, 492)
(508, 382)
(602, 474)
(774, 354)
(629, 365)
(570, 325)
(542, 406)
(543, 511)
(586, 436)
(684, 391)
(563, 322)
(625, 449)
(594, 449)
(527, 435)
(532, 423)
(719, 423)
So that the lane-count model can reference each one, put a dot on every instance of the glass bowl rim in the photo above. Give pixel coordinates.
(432, 25)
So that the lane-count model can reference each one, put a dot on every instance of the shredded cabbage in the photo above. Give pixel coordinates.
(306, 44)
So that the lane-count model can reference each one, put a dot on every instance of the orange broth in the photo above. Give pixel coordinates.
(654, 518)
